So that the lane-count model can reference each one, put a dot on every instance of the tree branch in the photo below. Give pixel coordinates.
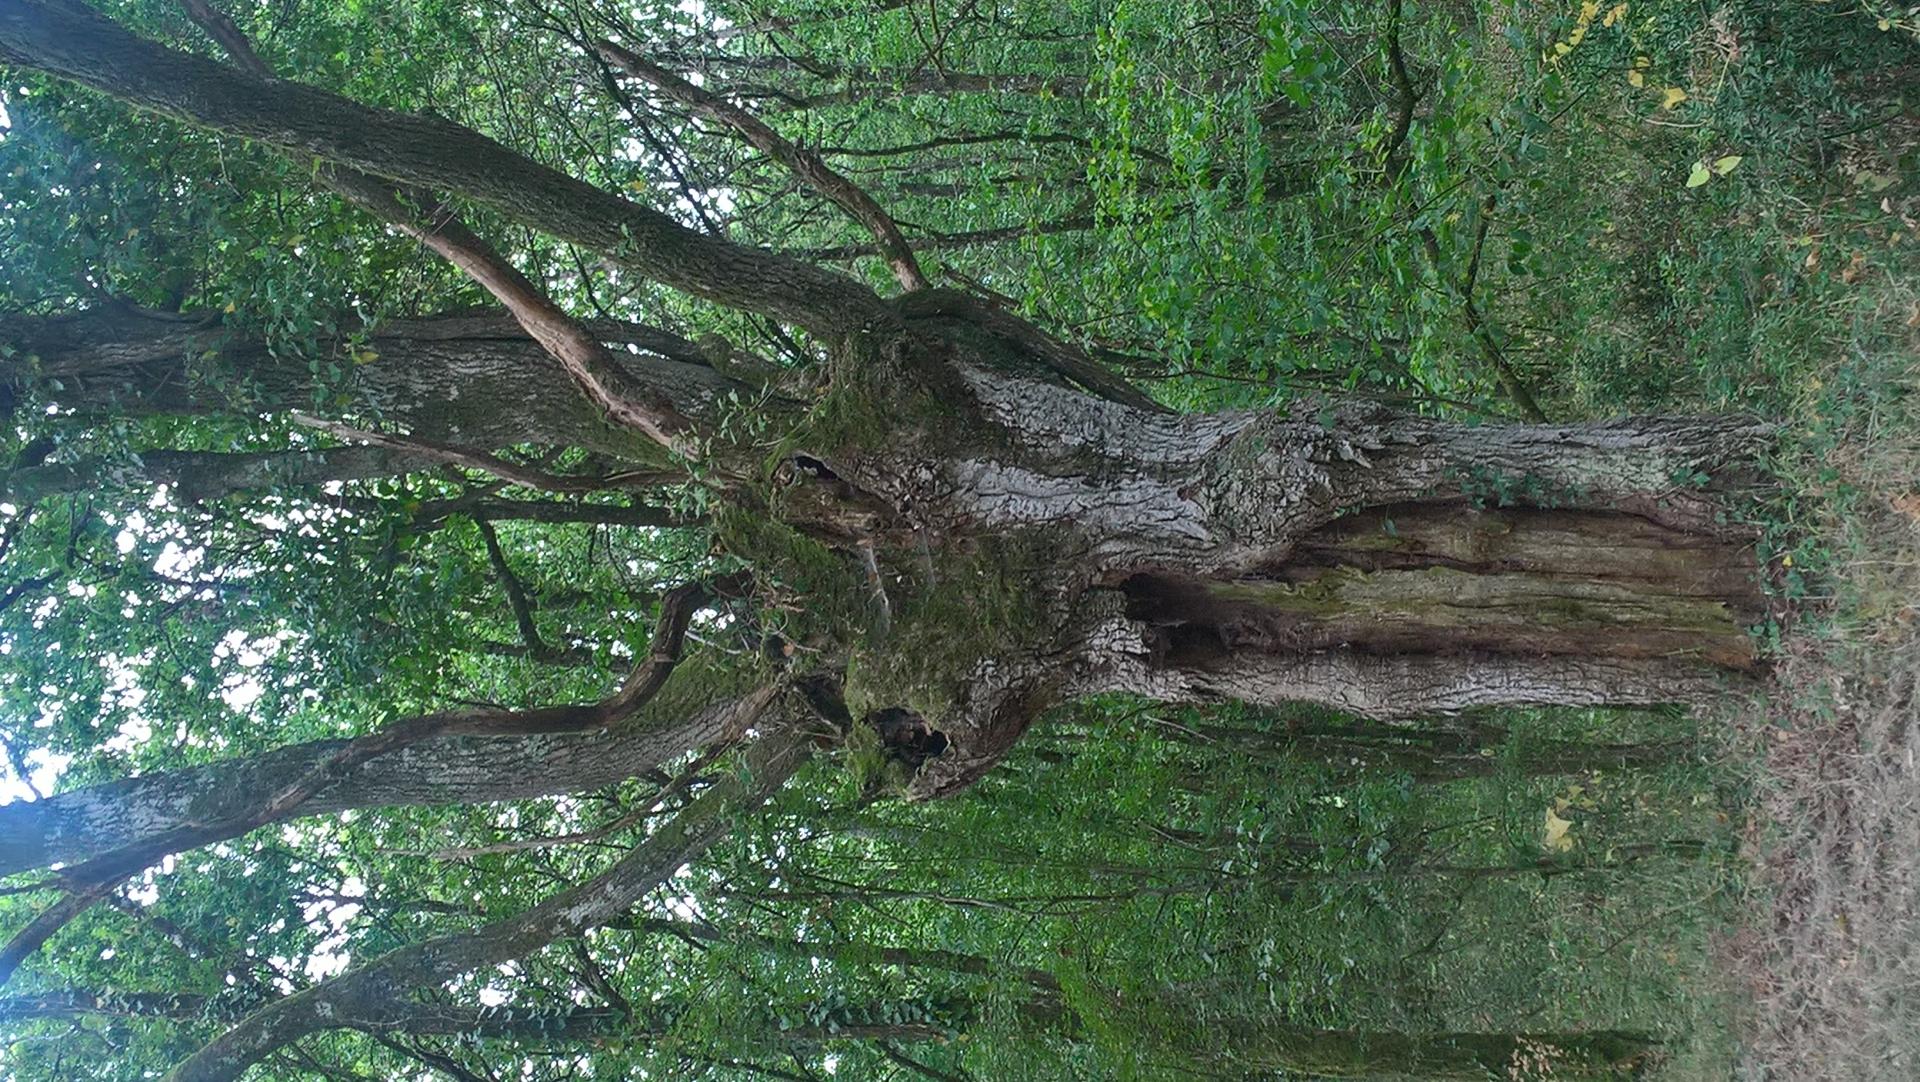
(804, 163)
(579, 353)
(1063, 357)
(374, 996)
(92, 879)
(516, 593)
(430, 153)
(527, 476)
(929, 242)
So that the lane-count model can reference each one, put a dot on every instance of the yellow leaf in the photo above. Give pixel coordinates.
(1698, 175)
(1614, 14)
(1642, 63)
(1579, 35)
(1886, 24)
(365, 356)
(1723, 166)
(229, 308)
(1671, 97)
(1561, 48)
(1557, 840)
(1636, 78)
(1588, 10)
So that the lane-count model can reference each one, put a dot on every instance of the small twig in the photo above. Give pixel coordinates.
(1395, 167)
(889, 1050)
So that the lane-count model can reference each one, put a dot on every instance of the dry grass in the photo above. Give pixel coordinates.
(1833, 957)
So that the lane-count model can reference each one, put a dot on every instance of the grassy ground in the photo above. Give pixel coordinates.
(1792, 284)
(1831, 953)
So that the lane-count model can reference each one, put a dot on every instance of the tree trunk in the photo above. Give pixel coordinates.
(1386, 565)
(1477, 1056)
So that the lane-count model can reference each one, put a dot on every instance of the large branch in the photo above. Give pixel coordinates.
(194, 476)
(927, 83)
(73, 43)
(419, 216)
(804, 163)
(81, 824)
(122, 826)
(929, 242)
(378, 994)
(591, 365)
(87, 882)
(477, 380)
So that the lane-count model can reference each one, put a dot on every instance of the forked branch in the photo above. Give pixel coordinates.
(579, 353)
(804, 163)
(89, 881)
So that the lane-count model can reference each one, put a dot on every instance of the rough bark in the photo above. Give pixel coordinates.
(195, 476)
(1601, 1054)
(1388, 565)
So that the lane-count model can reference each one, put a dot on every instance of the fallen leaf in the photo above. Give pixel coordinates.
(1613, 14)
(1698, 175)
(1855, 268)
(1723, 166)
(1671, 97)
(1908, 505)
(1557, 839)
(1872, 181)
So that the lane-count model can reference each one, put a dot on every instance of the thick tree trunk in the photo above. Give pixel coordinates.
(1476, 1056)
(1383, 564)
